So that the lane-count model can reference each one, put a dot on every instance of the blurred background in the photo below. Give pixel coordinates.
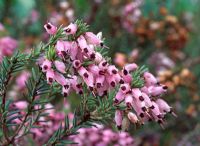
(163, 34)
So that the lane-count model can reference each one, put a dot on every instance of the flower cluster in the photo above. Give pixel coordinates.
(142, 100)
(165, 62)
(131, 14)
(47, 124)
(97, 135)
(100, 136)
(78, 62)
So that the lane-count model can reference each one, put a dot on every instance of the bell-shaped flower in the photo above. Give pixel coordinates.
(50, 76)
(46, 65)
(92, 38)
(50, 28)
(60, 66)
(71, 29)
(118, 118)
(132, 117)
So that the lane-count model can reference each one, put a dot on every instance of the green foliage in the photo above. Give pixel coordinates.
(9, 67)
(51, 53)
(138, 81)
(82, 27)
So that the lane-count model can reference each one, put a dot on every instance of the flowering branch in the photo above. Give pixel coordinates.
(74, 60)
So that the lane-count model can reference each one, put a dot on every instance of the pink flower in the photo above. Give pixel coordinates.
(118, 118)
(99, 81)
(132, 117)
(136, 93)
(112, 70)
(46, 65)
(67, 46)
(94, 69)
(157, 90)
(36, 132)
(60, 66)
(76, 64)
(125, 88)
(155, 110)
(60, 48)
(92, 38)
(129, 68)
(50, 28)
(71, 29)
(82, 44)
(60, 79)
(22, 79)
(111, 81)
(129, 100)
(87, 77)
(75, 85)
(73, 50)
(65, 91)
(98, 57)
(119, 97)
(149, 79)
(50, 76)
(21, 105)
(127, 78)
(1, 27)
(147, 100)
(7, 46)
(163, 106)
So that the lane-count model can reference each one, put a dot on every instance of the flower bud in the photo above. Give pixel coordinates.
(129, 68)
(149, 79)
(132, 117)
(71, 29)
(118, 118)
(163, 106)
(157, 90)
(50, 28)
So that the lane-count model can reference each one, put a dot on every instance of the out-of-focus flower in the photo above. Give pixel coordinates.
(22, 105)
(131, 14)
(34, 16)
(102, 137)
(164, 62)
(2, 27)
(120, 59)
(22, 79)
(7, 46)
